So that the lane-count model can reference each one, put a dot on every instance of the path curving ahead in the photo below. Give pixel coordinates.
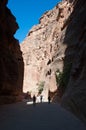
(43, 116)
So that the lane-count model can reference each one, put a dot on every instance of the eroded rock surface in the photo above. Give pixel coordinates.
(44, 51)
(58, 42)
(11, 61)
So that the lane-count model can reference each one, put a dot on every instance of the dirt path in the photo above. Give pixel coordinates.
(21, 116)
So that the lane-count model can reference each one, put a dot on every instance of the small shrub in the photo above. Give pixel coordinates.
(62, 78)
(41, 86)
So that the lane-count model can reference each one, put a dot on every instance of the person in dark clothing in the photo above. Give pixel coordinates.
(41, 98)
(34, 100)
(49, 99)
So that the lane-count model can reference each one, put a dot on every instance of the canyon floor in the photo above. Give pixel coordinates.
(43, 116)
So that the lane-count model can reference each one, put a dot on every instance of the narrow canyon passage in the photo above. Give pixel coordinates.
(44, 116)
(51, 59)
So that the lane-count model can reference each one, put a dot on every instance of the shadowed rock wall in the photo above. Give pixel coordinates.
(11, 61)
(74, 98)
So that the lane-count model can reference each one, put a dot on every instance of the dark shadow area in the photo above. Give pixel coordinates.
(74, 88)
(11, 61)
(43, 116)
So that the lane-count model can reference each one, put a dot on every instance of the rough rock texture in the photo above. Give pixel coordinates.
(11, 61)
(58, 43)
(74, 98)
(43, 50)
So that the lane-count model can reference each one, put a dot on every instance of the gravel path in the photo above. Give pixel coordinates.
(43, 116)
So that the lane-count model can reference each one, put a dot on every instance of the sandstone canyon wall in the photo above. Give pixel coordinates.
(11, 61)
(74, 98)
(57, 44)
(44, 51)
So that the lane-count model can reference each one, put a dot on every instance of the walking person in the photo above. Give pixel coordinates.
(41, 97)
(34, 100)
(49, 99)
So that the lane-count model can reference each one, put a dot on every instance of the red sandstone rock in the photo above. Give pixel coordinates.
(43, 51)
(11, 61)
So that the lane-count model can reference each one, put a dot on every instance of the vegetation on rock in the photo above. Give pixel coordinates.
(41, 86)
(62, 78)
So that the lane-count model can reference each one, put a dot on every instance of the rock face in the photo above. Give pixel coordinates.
(74, 98)
(43, 50)
(58, 43)
(11, 61)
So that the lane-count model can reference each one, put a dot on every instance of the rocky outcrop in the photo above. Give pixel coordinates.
(44, 51)
(11, 61)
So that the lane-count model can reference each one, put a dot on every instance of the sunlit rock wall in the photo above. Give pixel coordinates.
(43, 50)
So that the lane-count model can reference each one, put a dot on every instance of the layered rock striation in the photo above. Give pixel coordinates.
(11, 61)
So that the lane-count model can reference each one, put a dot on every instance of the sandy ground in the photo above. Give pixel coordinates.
(43, 116)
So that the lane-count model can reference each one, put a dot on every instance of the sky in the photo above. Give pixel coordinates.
(28, 13)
